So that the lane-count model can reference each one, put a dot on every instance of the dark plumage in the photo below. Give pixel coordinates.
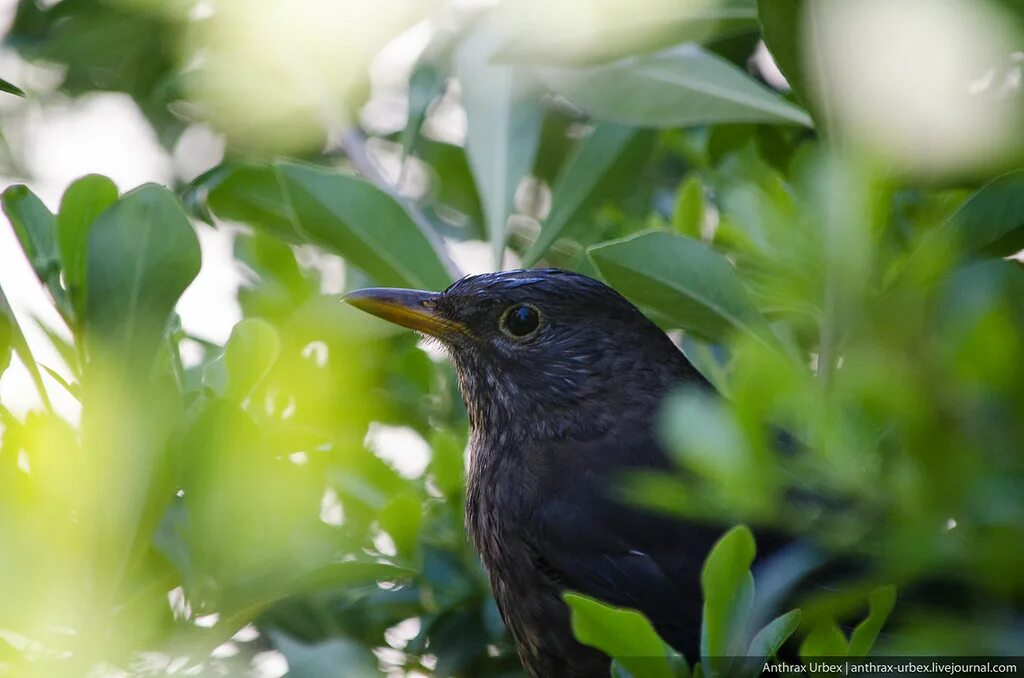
(557, 414)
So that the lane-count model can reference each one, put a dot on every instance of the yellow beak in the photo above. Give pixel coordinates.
(409, 308)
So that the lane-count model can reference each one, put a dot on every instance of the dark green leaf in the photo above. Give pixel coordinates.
(17, 341)
(992, 220)
(767, 641)
(590, 160)
(881, 602)
(335, 657)
(83, 201)
(427, 83)
(682, 280)
(142, 254)
(782, 29)
(625, 635)
(362, 223)
(989, 223)
(681, 87)
(34, 226)
(250, 194)
(11, 88)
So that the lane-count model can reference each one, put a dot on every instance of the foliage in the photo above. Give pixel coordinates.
(210, 502)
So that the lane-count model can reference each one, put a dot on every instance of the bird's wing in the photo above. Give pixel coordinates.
(585, 540)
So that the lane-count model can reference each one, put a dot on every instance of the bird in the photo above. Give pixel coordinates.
(562, 379)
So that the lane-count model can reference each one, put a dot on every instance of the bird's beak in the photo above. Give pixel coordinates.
(409, 308)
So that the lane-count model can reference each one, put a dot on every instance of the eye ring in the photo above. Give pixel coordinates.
(521, 322)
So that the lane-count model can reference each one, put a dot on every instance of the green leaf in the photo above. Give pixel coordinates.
(6, 340)
(825, 640)
(348, 574)
(249, 354)
(11, 88)
(767, 641)
(881, 602)
(249, 194)
(781, 28)
(619, 31)
(683, 281)
(589, 162)
(991, 221)
(338, 656)
(83, 201)
(503, 118)
(681, 87)
(688, 215)
(625, 635)
(363, 224)
(34, 226)
(142, 254)
(727, 586)
(427, 83)
(16, 341)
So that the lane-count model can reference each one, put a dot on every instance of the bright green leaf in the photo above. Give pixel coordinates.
(83, 201)
(681, 87)
(727, 587)
(590, 160)
(826, 639)
(881, 602)
(682, 280)
(688, 215)
(503, 117)
(625, 635)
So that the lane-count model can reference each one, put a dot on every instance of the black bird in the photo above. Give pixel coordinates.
(562, 379)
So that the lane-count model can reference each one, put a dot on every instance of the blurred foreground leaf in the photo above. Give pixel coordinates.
(615, 30)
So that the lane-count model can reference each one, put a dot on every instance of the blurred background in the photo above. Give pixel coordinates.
(209, 466)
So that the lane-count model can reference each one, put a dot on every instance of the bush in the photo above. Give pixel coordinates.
(214, 502)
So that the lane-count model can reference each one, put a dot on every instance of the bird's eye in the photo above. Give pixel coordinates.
(520, 321)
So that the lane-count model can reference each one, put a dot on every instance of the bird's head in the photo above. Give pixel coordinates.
(556, 349)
